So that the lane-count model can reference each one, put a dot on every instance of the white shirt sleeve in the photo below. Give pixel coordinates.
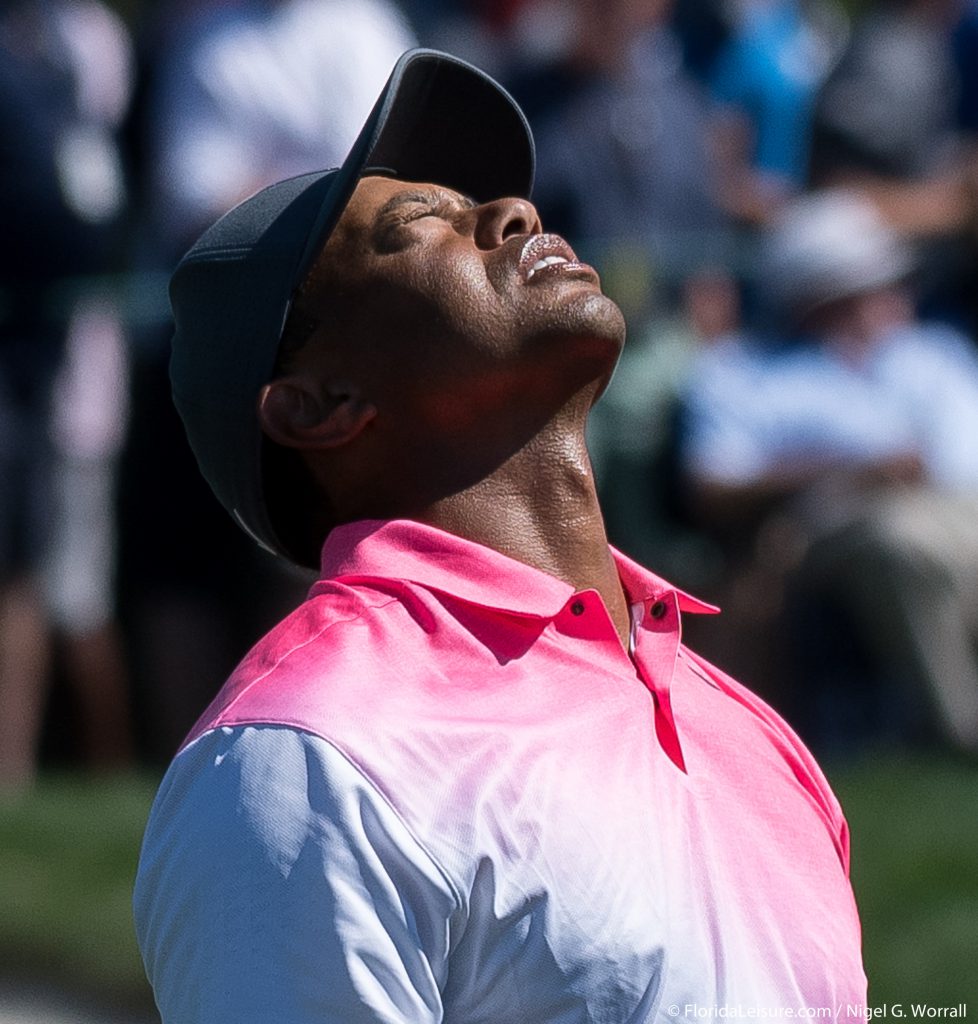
(276, 884)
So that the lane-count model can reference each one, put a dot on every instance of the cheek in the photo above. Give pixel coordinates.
(463, 300)
(448, 311)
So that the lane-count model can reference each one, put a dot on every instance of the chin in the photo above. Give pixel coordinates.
(581, 344)
(612, 318)
(598, 322)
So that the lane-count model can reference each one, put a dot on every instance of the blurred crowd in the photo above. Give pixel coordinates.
(782, 195)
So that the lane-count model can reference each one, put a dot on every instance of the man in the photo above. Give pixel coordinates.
(475, 776)
(850, 430)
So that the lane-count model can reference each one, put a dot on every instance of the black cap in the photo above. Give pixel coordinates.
(437, 120)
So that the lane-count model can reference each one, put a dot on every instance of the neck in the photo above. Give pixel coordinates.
(520, 483)
(541, 508)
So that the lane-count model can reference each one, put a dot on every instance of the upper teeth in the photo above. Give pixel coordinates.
(547, 261)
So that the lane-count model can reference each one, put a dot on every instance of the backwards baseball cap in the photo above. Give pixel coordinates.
(437, 120)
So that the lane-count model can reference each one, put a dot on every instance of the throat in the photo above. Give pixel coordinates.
(544, 513)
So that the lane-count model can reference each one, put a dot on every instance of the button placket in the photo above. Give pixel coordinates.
(656, 648)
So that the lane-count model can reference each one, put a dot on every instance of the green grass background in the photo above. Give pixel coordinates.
(914, 823)
(68, 856)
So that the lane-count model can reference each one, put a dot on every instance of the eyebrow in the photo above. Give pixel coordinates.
(419, 196)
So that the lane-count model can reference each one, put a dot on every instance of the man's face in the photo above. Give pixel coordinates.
(451, 310)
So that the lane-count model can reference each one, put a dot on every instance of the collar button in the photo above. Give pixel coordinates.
(577, 608)
(659, 610)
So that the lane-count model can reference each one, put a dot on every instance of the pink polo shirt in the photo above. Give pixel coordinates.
(442, 791)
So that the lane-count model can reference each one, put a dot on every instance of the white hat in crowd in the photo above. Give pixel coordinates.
(826, 246)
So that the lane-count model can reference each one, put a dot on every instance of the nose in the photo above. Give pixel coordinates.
(502, 218)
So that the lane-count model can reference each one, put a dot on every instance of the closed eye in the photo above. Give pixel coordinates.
(410, 206)
(415, 212)
(421, 203)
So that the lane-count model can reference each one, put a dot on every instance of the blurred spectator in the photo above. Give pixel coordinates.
(65, 80)
(703, 28)
(88, 421)
(965, 43)
(252, 91)
(886, 118)
(965, 280)
(242, 93)
(764, 81)
(621, 137)
(844, 446)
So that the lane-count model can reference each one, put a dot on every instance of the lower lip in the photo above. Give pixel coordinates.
(573, 268)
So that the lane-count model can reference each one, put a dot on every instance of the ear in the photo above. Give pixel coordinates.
(296, 413)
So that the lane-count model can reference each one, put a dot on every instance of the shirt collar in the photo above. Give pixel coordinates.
(402, 549)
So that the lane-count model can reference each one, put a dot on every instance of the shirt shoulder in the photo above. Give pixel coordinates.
(340, 634)
(271, 862)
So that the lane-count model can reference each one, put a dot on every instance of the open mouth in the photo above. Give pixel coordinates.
(547, 261)
(546, 255)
